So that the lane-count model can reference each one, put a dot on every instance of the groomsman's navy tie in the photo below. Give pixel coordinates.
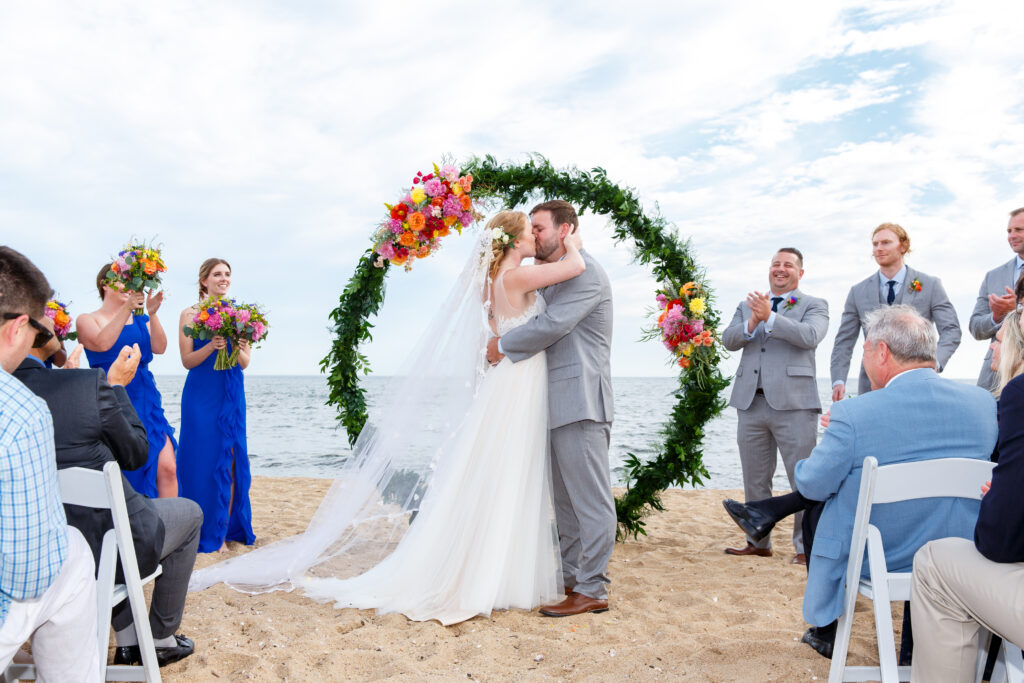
(775, 303)
(891, 296)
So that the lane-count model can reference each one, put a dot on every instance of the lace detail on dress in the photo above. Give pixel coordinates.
(506, 324)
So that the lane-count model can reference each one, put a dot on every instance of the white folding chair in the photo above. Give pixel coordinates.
(103, 490)
(1009, 667)
(941, 478)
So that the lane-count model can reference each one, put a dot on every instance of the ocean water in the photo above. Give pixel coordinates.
(293, 433)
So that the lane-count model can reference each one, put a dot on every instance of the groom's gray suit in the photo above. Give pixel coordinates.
(576, 331)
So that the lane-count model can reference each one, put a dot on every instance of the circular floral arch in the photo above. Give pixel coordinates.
(678, 458)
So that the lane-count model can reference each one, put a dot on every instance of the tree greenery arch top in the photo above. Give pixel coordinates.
(678, 459)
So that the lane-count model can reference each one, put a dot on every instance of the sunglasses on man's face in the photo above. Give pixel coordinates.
(43, 335)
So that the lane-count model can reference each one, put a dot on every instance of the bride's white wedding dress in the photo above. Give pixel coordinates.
(444, 510)
(484, 538)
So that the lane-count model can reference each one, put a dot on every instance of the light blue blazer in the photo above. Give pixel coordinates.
(918, 416)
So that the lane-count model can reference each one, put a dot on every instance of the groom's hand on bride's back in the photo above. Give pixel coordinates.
(494, 356)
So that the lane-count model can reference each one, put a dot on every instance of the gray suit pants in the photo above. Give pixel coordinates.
(584, 505)
(182, 519)
(762, 434)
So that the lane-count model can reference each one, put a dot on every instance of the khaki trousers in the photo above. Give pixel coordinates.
(955, 593)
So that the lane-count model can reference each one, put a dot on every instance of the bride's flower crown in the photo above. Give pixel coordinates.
(499, 235)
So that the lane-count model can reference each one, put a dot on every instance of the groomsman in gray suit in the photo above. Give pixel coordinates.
(775, 392)
(893, 283)
(996, 297)
(576, 332)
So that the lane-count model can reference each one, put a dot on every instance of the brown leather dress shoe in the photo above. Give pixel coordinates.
(751, 549)
(575, 603)
(801, 559)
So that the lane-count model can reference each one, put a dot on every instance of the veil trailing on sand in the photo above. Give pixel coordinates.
(378, 492)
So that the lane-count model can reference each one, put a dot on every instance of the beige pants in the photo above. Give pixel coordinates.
(955, 593)
(61, 622)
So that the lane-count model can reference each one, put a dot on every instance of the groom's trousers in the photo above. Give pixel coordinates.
(584, 505)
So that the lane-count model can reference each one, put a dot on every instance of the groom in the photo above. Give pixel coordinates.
(576, 332)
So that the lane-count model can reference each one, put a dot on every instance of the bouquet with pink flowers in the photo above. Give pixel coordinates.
(415, 225)
(227, 318)
(57, 311)
(136, 268)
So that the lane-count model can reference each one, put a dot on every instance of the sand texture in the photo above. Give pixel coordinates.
(680, 610)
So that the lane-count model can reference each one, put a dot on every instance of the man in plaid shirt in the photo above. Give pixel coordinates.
(47, 574)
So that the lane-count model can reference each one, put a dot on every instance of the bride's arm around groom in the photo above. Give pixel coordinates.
(576, 331)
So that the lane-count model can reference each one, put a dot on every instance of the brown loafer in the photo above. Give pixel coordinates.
(801, 559)
(751, 549)
(575, 603)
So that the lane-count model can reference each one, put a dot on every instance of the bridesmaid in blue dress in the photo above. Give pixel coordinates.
(213, 457)
(104, 333)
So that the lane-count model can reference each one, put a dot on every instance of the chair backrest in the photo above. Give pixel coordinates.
(941, 478)
(103, 490)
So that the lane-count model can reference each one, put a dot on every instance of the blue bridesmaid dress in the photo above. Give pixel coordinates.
(213, 452)
(145, 399)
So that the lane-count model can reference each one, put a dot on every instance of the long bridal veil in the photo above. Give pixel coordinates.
(378, 491)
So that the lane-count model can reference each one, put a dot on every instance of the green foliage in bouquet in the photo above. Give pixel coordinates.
(678, 459)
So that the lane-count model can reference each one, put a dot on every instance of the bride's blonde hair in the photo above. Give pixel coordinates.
(513, 224)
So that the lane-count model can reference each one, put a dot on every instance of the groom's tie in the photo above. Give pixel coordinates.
(891, 296)
(775, 303)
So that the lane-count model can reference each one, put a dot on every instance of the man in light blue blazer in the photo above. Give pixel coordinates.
(775, 392)
(894, 283)
(996, 297)
(913, 415)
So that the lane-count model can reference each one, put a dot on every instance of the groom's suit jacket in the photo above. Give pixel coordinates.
(783, 359)
(94, 423)
(865, 296)
(981, 326)
(917, 416)
(576, 330)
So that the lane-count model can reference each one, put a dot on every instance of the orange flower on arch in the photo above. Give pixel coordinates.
(417, 221)
(466, 202)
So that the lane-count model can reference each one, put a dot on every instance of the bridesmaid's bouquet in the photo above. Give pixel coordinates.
(136, 269)
(58, 313)
(217, 317)
(414, 226)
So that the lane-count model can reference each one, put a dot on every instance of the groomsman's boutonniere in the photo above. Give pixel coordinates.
(791, 302)
(915, 285)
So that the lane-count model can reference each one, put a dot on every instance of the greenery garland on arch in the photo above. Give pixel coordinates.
(678, 460)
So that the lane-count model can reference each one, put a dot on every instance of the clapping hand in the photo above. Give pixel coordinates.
(122, 370)
(74, 360)
(1001, 305)
(153, 302)
(826, 418)
(760, 309)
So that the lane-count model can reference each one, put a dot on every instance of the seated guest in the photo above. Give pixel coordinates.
(960, 587)
(47, 584)
(918, 416)
(94, 423)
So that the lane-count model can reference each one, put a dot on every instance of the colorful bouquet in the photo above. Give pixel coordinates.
(58, 313)
(681, 325)
(227, 318)
(136, 269)
(436, 202)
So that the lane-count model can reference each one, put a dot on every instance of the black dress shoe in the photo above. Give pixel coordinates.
(821, 643)
(130, 654)
(755, 524)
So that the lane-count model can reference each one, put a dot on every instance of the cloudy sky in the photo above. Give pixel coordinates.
(270, 134)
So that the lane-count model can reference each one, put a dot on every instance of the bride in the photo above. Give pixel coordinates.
(444, 511)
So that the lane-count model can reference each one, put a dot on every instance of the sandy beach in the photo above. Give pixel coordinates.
(680, 610)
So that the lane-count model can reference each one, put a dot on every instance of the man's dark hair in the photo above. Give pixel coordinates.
(23, 288)
(561, 212)
(795, 252)
(1016, 211)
